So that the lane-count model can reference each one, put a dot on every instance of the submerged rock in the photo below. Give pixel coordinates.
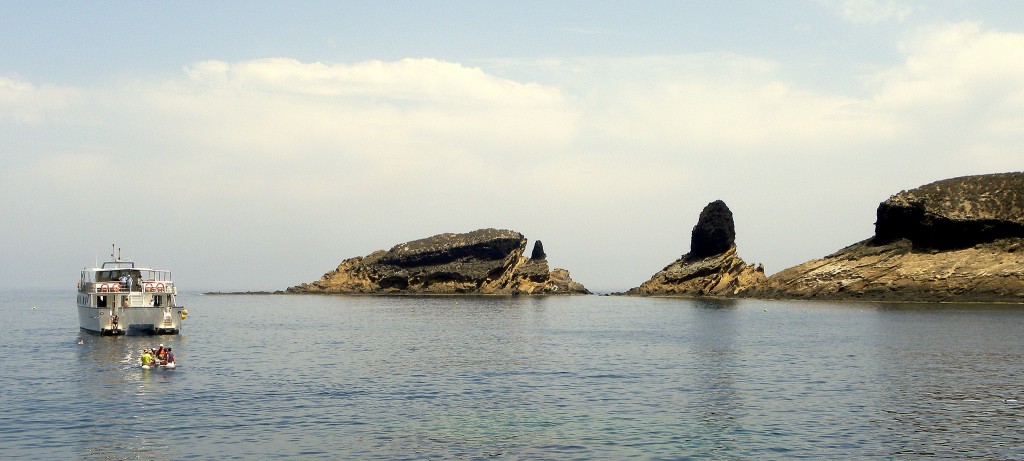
(712, 267)
(955, 240)
(485, 261)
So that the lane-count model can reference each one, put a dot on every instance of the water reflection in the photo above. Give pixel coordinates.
(120, 352)
(130, 449)
(121, 408)
(718, 401)
(714, 303)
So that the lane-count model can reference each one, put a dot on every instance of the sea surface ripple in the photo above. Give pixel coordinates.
(407, 378)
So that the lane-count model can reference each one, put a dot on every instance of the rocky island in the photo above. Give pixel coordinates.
(712, 267)
(485, 261)
(955, 240)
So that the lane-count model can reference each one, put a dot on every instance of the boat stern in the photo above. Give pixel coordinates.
(169, 323)
(165, 330)
(112, 331)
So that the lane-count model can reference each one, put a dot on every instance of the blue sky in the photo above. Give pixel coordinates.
(254, 145)
(72, 41)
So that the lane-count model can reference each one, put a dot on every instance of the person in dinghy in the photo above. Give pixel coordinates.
(147, 359)
(168, 359)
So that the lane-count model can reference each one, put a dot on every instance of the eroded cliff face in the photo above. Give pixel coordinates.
(485, 261)
(712, 267)
(724, 274)
(989, 272)
(954, 213)
(955, 240)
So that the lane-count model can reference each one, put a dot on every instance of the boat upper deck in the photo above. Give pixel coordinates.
(123, 276)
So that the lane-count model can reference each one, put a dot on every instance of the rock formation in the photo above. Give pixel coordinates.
(538, 251)
(715, 231)
(485, 261)
(712, 267)
(954, 213)
(955, 240)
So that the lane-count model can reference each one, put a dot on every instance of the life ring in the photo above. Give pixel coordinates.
(149, 286)
(160, 287)
(115, 287)
(104, 288)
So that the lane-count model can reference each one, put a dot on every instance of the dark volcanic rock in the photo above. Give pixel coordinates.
(954, 213)
(483, 244)
(714, 233)
(712, 267)
(486, 261)
(538, 251)
(474, 255)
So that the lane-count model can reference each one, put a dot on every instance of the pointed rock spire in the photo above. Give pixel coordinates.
(538, 251)
(712, 267)
(714, 233)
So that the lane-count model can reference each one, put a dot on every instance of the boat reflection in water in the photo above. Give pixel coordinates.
(141, 433)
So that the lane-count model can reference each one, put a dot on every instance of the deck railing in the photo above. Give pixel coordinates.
(152, 286)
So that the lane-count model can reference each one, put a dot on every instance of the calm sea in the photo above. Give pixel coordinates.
(322, 377)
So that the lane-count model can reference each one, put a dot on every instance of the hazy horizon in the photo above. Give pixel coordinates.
(254, 146)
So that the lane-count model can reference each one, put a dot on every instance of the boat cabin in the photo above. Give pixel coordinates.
(121, 284)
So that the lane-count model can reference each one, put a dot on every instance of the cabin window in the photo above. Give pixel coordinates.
(158, 300)
(101, 301)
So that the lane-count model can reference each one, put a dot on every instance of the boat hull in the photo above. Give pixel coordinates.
(130, 320)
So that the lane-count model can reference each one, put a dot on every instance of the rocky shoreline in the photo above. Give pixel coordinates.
(958, 240)
(955, 240)
(713, 266)
(485, 261)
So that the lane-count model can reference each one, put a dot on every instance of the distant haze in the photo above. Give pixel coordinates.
(254, 146)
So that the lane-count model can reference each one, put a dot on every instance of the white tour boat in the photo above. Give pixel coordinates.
(118, 297)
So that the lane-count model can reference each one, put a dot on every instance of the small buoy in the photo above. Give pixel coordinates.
(33, 307)
(766, 309)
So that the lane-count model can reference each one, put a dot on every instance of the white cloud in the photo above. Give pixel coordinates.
(875, 11)
(960, 87)
(713, 104)
(407, 80)
(373, 108)
(344, 158)
(955, 62)
(23, 102)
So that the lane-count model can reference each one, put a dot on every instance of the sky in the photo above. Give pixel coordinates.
(255, 145)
